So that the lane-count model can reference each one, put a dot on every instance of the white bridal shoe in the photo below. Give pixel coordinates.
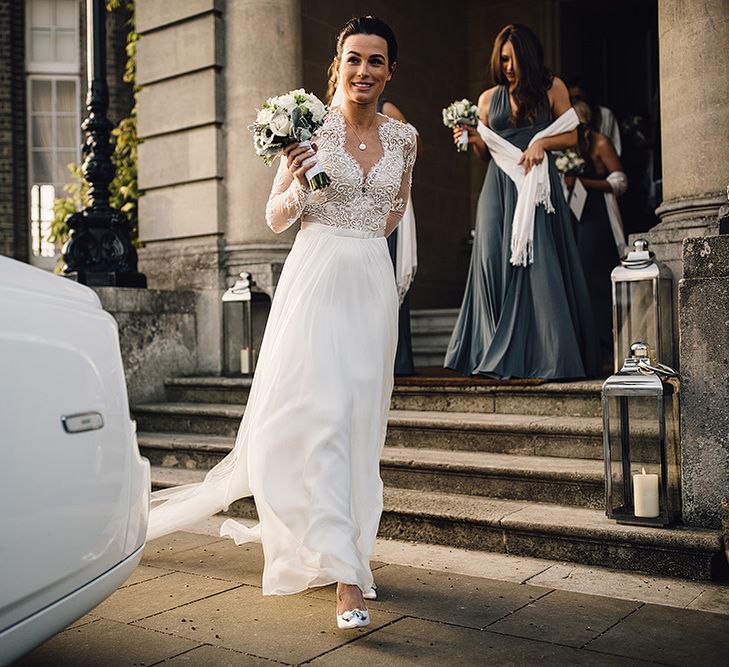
(356, 618)
(370, 594)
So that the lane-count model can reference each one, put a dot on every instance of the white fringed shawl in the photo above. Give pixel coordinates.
(533, 188)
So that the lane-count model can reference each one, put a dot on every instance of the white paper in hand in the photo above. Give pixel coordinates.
(578, 199)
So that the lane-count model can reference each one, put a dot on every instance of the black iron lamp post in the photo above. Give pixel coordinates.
(99, 251)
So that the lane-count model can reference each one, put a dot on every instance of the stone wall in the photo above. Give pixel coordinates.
(180, 116)
(157, 335)
(704, 348)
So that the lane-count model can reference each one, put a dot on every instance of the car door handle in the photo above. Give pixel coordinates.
(85, 421)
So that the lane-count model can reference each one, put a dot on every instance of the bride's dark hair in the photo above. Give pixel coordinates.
(361, 25)
(533, 79)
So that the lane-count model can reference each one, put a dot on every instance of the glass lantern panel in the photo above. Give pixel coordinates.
(635, 317)
(665, 299)
(673, 455)
(633, 446)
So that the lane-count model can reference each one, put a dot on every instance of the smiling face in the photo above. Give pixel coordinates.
(364, 68)
(508, 62)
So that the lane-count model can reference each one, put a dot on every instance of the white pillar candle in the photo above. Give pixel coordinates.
(245, 367)
(645, 495)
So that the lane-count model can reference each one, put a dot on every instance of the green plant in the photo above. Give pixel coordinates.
(124, 193)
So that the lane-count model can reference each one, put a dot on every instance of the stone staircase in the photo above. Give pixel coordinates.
(508, 468)
(430, 331)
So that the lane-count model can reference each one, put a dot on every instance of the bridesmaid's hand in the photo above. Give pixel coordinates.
(297, 161)
(473, 136)
(532, 156)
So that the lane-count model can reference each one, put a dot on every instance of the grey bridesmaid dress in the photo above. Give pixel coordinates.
(599, 257)
(523, 322)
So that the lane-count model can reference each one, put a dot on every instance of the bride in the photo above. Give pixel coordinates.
(309, 444)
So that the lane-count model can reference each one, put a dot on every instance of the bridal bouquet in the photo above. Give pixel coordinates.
(459, 113)
(289, 118)
(568, 162)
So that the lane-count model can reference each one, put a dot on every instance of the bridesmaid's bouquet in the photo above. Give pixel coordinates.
(286, 119)
(568, 162)
(459, 113)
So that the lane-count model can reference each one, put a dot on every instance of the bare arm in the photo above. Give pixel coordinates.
(604, 151)
(559, 101)
(474, 138)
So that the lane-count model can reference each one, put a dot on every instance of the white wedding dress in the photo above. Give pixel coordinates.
(309, 444)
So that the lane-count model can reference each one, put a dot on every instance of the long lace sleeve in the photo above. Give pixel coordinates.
(400, 202)
(287, 200)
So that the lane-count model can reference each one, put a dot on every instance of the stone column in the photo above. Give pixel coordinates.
(204, 66)
(704, 313)
(694, 59)
(181, 167)
(263, 51)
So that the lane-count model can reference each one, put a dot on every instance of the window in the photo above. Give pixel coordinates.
(54, 116)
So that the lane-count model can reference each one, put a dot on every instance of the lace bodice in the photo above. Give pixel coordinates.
(373, 202)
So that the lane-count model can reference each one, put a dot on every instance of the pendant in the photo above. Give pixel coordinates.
(363, 146)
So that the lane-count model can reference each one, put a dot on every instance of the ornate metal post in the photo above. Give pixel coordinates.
(99, 251)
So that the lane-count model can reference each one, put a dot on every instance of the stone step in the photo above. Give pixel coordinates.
(566, 437)
(232, 390)
(428, 359)
(451, 394)
(541, 479)
(454, 394)
(539, 530)
(525, 435)
(433, 320)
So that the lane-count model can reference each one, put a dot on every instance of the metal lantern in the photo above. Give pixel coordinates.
(642, 306)
(241, 296)
(641, 442)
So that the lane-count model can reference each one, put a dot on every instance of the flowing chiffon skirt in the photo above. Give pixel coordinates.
(309, 444)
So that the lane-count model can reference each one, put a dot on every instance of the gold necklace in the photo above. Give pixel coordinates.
(362, 145)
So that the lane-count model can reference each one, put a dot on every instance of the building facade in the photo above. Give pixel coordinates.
(205, 65)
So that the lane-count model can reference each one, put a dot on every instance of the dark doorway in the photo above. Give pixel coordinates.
(613, 45)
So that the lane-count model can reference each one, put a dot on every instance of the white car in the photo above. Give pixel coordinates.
(74, 491)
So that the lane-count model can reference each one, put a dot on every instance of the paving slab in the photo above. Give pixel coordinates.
(217, 657)
(107, 643)
(158, 595)
(221, 559)
(145, 573)
(670, 636)
(157, 551)
(414, 642)
(714, 599)
(503, 567)
(570, 619)
(289, 629)
(440, 596)
(619, 584)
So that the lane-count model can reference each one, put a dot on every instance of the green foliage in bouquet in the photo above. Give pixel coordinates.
(124, 192)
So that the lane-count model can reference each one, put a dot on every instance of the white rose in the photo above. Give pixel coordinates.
(281, 124)
(286, 102)
(264, 116)
(318, 111)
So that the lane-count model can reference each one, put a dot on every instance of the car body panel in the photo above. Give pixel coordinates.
(74, 505)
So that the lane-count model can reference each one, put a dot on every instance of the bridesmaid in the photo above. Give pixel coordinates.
(404, 364)
(530, 321)
(596, 242)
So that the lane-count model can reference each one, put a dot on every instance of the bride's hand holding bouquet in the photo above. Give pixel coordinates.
(286, 124)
